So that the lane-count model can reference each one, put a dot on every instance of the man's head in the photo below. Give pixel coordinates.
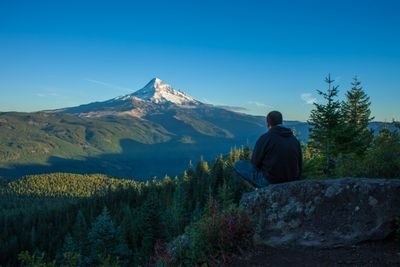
(274, 118)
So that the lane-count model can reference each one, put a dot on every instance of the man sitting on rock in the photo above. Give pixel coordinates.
(276, 157)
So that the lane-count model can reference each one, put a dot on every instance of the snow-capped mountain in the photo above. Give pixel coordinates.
(154, 96)
(158, 91)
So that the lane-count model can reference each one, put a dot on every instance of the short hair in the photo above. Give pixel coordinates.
(274, 118)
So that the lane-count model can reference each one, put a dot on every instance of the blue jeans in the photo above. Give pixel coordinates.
(248, 172)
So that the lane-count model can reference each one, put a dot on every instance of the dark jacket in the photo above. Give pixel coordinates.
(277, 154)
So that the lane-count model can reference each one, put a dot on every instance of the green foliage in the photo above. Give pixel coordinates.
(36, 260)
(380, 160)
(350, 165)
(341, 143)
(325, 121)
(383, 158)
(67, 185)
(103, 239)
(218, 235)
(70, 255)
(356, 137)
(313, 162)
(179, 210)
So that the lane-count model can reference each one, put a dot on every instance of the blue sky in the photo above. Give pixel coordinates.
(259, 55)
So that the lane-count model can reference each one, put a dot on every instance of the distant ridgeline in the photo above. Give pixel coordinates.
(34, 143)
(153, 132)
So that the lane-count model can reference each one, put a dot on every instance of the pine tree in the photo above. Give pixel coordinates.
(225, 196)
(102, 237)
(245, 152)
(234, 155)
(79, 233)
(356, 116)
(127, 230)
(70, 255)
(179, 208)
(217, 175)
(150, 224)
(200, 181)
(325, 121)
(33, 237)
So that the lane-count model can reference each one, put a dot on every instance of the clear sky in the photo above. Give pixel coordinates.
(259, 55)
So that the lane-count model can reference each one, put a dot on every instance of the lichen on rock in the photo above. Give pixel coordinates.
(324, 213)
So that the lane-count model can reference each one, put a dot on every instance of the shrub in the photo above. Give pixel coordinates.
(34, 260)
(219, 234)
(351, 165)
(383, 158)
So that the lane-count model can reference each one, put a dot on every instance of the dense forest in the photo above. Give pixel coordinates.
(117, 222)
(65, 219)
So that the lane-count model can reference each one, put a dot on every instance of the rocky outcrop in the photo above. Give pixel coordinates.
(324, 213)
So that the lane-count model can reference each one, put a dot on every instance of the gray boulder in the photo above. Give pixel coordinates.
(324, 213)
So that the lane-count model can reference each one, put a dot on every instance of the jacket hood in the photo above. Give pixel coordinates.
(282, 131)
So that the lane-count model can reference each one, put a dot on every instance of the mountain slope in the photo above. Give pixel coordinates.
(33, 143)
(154, 131)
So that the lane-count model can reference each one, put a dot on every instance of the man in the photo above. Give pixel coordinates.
(276, 157)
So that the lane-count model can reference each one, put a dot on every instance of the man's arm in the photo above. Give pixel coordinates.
(258, 152)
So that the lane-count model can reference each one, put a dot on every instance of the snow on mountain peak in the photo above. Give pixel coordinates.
(158, 91)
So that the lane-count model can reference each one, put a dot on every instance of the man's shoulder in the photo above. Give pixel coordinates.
(265, 135)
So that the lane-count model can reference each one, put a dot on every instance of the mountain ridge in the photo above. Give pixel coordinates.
(131, 137)
(154, 131)
(155, 95)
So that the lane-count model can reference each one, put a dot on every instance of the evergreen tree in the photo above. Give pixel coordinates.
(33, 237)
(234, 155)
(198, 183)
(127, 227)
(150, 225)
(70, 255)
(245, 152)
(102, 237)
(383, 159)
(326, 123)
(179, 208)
(167, 190)
(356, 116)
(216, 175)
(225, 196)
(79, 233)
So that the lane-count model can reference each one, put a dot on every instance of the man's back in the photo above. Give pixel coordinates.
(277, 154)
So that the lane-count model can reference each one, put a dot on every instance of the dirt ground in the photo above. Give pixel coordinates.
(368, 254)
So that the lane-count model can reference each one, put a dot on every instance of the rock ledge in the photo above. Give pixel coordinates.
(324, 213)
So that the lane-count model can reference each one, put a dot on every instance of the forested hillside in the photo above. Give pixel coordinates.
(120, 146)
(70, 220)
